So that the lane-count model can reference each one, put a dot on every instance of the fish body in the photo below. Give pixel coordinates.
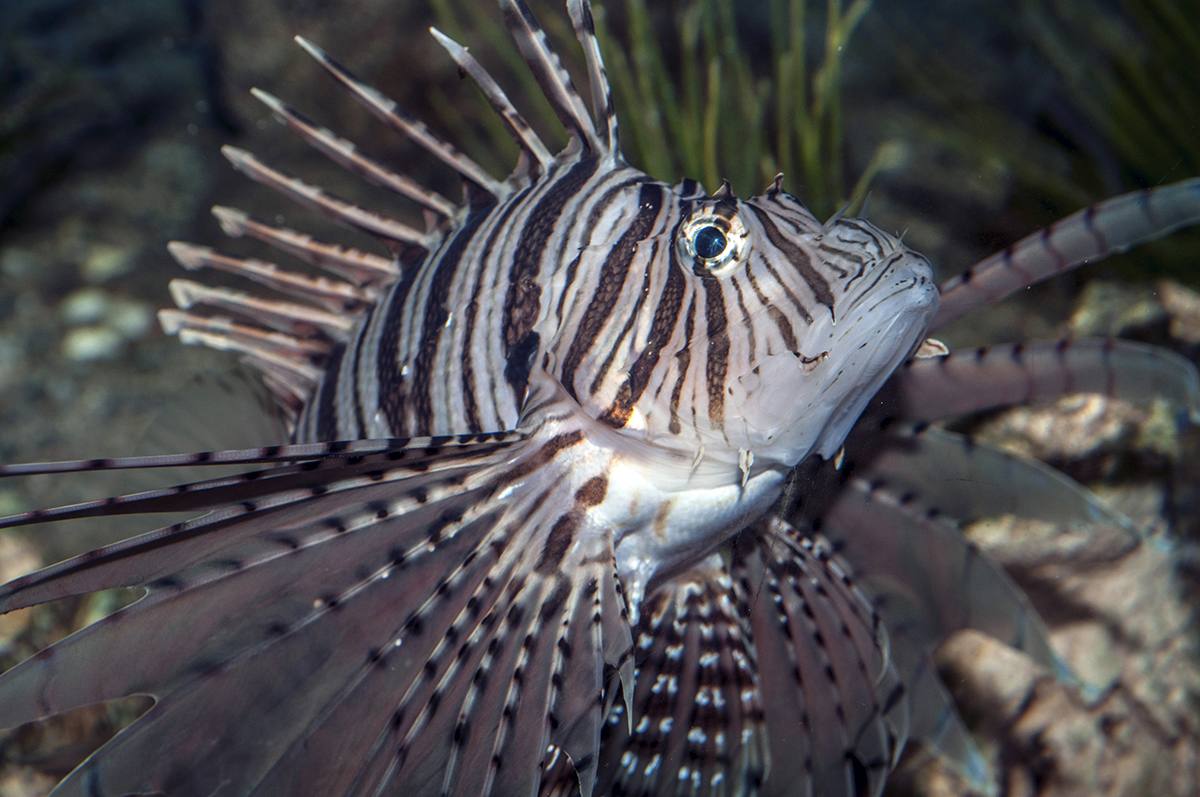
(602, 290)
(538, 529)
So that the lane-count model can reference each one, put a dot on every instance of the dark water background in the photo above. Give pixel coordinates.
(112, 113)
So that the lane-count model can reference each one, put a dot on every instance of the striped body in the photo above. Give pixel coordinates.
(596, 293)
(715, 380)
(562, 543)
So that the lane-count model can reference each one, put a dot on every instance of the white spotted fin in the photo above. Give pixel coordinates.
(422, 613)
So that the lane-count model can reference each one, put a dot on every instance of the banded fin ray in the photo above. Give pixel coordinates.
(362, 268)
(346, 154)
(167, 552)
(252, 340)
(525, 136)
(553, 78)
(974, 380)
(496, 643)
(930, 578)
(287, 317)
(1092, 234)
(932, 466)
(398, 236)
(834, 707)
(262, 582)
(336, 296)
(929, 581)
(527, 706)
(602, 101)
(318, 475)
(478, 573)
(695, 720)
(400, 120)
(398, 448)
(292, 678)
(935, 722)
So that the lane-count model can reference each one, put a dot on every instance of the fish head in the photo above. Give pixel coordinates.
(799, 323)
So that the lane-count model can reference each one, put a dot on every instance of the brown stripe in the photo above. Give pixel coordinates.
(558, 543)
(592, 492)
(598, 210)
(630, 318)
(327, 410)
(621, 409)
(433, 325)
(360, 416)
(392, 388)
(787, 291)
(666, 317)
(747, 321)
(611, 283)
(781, 320)
(544, 455)
(523, 301)
(470, 401)
(717, 362)
(798, 258)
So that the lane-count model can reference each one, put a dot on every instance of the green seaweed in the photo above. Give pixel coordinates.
(1125, 72)
(691, 101)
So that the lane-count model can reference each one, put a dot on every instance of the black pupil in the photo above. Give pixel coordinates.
(709, 242)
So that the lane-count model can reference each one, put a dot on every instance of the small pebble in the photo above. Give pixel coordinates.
(18, 263)
(104, 261)
(1183, 305)
(88, 344)
(84, 306)
(130, 320)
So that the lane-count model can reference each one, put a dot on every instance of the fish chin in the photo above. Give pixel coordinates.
(793, 405)
(902, 336)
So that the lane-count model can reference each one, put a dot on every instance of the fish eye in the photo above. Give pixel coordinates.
(713, 242)
(709, 242)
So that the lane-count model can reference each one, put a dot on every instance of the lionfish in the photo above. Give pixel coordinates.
(541, 528)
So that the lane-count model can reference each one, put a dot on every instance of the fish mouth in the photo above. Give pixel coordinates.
(868, 352)
(806, 401)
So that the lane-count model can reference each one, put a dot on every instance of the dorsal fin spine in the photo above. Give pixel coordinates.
(402, 121)
(602, 102)
(550, 74)
(524, 135)
(346, 154)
